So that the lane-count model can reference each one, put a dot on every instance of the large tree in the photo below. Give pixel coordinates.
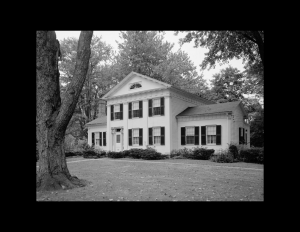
(54, 114)
(147, 53)
(225, 45)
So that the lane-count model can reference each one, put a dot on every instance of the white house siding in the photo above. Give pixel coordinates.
(96, 128)
(238, 121)
(205, 121)
(177, 106)
(145, 122)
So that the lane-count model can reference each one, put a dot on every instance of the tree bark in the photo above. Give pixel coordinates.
(53, 115)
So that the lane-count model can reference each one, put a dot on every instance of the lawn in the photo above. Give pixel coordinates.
(161, 180)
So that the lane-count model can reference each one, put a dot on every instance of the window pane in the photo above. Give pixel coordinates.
(117, 108)
(136, 113)
(156, 111)
(211, 130)
(135, 141)
(118, 115)
(156, 139)
(156, 131)
(190, 131)
(135, 105)
(135, 132)
(190, 139)
(156, 102)
(118, 138)
(211, 139)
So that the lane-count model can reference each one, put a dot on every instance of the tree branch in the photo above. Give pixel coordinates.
(247, 36)
(75, 87)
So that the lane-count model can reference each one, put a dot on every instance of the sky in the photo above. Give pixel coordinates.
(196, 54)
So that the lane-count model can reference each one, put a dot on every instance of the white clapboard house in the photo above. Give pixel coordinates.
(144, 112)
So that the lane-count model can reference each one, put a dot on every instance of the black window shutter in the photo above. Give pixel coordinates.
(100, 138)
(121, 111)
(162, 106)
(111, 113)
(162, 136)
(246, 137)
(141, 109)
(150, 136)
(104, 138)
(218, 135)
(130, 137)
(182, 135)
(203, 135)
(130, 110)
(197, 135)
(141, 136)
(106, 110)
(240, 136)
(243, 135)
(93, 139)
(150, 107)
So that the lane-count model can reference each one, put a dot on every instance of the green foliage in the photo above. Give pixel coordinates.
(226, 45)
(136, 153)
(151, 154)
(115, 155)
(145, 52)
(253, 155)
(223, 156)
(257, 129)
(195, 153)
(98, 81)
(91, 152)
(233, 149)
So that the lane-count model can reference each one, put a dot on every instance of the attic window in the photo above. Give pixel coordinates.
(135, 86)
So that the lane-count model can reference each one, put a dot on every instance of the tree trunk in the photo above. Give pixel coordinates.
(52, 115)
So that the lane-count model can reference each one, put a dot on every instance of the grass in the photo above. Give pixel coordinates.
(161, 180)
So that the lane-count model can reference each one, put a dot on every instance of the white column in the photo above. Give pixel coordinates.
(145, 123)
(167, 126)
(125, 125)
(108, 132)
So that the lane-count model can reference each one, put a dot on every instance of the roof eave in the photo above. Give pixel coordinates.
(222, 112)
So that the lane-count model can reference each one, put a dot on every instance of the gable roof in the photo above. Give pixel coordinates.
(130, 75)
(165, 85)
(102, 120)
(213, 108)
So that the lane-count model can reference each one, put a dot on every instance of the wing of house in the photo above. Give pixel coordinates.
(142, 111)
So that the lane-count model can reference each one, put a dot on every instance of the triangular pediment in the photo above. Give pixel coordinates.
(134, 83)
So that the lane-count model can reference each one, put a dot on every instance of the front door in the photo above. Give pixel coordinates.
(118, 142)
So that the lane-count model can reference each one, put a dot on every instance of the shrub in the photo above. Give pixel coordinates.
(115, 155)
(196, 153)
(223, 156)
(151, 154)
(253, 155)
(73, 153)
(136, 153)
(202, 153)
(233, 149)
(90, 152)
(126, 153)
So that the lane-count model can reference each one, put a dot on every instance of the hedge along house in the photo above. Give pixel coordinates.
(142, 111)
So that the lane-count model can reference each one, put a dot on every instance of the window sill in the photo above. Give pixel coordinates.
(157, 115)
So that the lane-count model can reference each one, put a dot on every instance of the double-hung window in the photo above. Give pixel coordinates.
(156, 135)
(156, 106)
(211, 135)
(135, 140)
(135, 109)
(117, 112)
(97, 138)
(190, 135)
